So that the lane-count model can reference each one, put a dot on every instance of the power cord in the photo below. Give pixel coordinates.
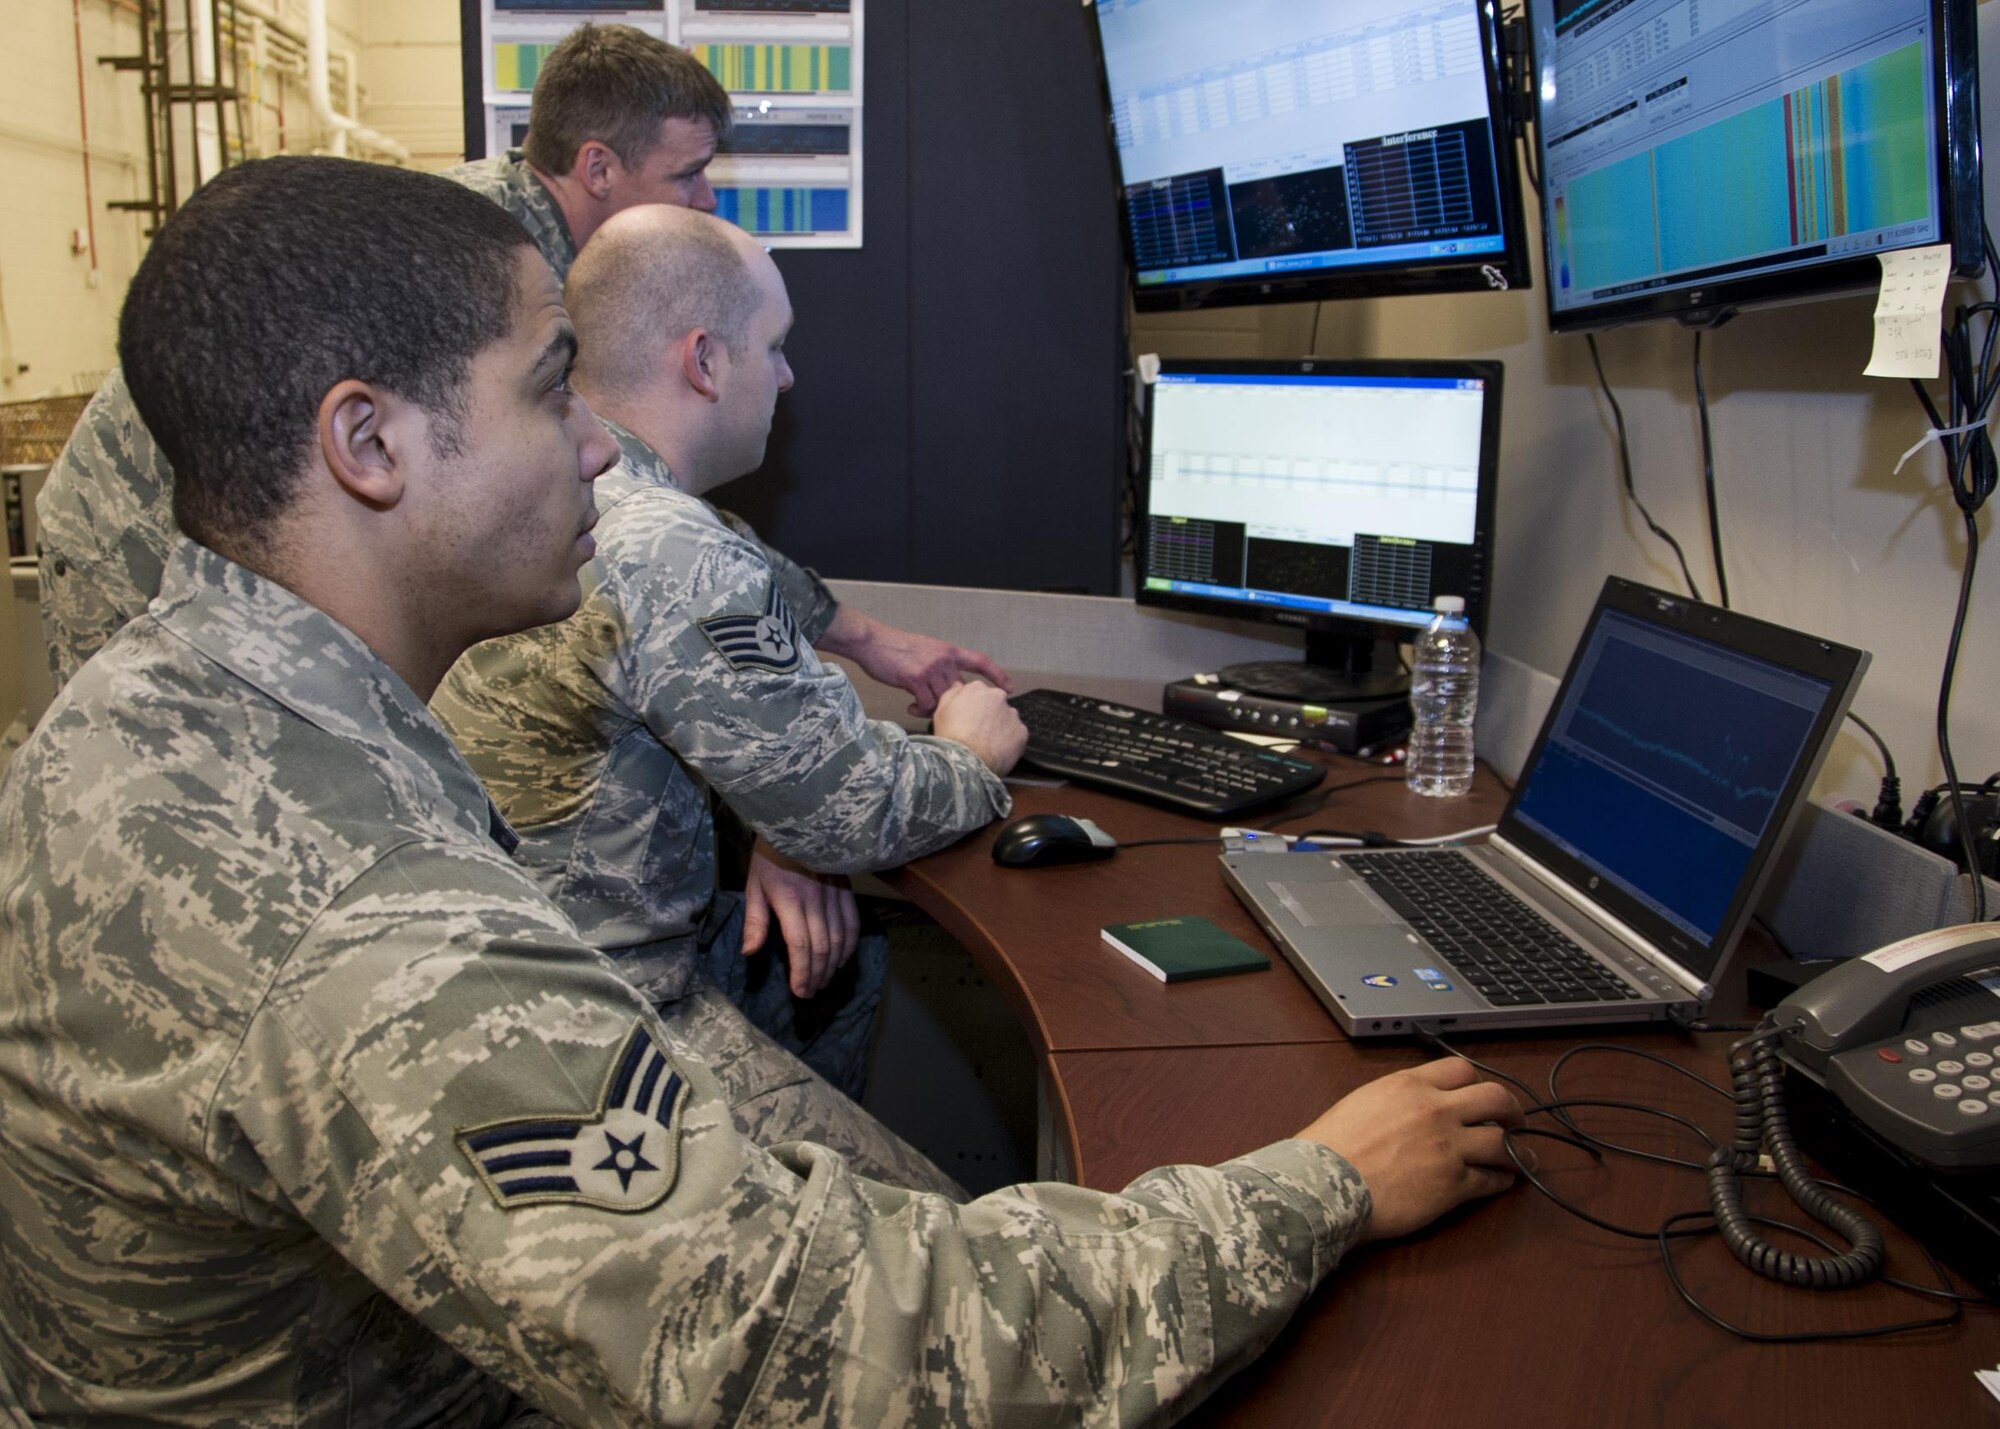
(1625, 464)
(1708, 477)
(1971, 473)
(1888, 810)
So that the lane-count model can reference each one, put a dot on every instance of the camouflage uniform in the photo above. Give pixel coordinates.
(314, 1111)
(687, 669)
(107, 524)
(509, 182)
(106, 511)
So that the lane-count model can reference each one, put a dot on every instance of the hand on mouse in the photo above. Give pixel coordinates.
(1425, 1139)
(979, 717)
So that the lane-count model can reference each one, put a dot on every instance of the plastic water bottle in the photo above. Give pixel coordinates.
(1444, 692)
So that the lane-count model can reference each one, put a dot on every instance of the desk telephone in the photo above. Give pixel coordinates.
(1908, 1039)
(1891, 1064)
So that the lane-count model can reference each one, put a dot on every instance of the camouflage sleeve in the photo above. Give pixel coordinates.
(473, 1110)
(813, 605)
(716, 667)
(107, 525)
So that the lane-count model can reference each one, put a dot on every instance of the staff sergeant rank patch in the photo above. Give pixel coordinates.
(623, 1158)
(757, 642)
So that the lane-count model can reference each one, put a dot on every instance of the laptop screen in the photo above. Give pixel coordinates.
(1671, 753)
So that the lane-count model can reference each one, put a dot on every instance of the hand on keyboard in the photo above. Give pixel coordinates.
(978, 716)
(1155, 756)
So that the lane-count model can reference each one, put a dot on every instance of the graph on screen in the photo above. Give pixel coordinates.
(1712, 741)
(1819, 162)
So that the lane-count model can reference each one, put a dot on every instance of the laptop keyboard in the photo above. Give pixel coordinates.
(1495, 942)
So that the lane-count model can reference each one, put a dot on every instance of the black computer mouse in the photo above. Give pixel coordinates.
(1045, 840)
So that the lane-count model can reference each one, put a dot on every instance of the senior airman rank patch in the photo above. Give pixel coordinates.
(622, 1158)
(757, 642)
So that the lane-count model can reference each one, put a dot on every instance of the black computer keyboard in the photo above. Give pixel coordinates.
(1154, 756)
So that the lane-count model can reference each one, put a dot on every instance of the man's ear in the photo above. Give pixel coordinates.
(594, 167)
(699, 351)
(361, 440)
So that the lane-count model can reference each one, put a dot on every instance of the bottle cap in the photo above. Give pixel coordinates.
(1449, 605)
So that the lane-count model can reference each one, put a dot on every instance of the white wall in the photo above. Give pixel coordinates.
(410, 71)
(56, 321)
(1818, 533)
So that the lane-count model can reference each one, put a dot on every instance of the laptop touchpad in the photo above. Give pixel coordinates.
(1345, 904)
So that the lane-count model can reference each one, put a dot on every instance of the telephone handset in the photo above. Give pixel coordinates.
(1907, 1038)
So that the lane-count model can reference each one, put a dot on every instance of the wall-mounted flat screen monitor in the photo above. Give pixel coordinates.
(1699, 156)
(1289, 150)
(1339, 496)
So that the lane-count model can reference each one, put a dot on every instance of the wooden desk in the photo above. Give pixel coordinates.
(1513, 1313)
(1035, 931)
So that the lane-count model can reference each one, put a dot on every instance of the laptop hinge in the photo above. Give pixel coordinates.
(1543, 878)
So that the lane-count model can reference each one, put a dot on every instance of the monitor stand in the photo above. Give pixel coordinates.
(1336, 670)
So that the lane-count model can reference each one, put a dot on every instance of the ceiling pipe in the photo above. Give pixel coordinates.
(317, 91)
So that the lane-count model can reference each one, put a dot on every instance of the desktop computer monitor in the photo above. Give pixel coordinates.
(1699, 158)
(1342, 497)
(1283, 150)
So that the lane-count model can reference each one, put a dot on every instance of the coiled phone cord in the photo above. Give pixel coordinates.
(1761, 1122)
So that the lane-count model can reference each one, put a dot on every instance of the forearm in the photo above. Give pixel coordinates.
(1121, 1310)
(876, 799)
(848, 634)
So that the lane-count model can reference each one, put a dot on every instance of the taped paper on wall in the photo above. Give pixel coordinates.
(1908, 312)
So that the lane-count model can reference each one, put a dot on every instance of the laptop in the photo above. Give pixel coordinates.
(1667, 775)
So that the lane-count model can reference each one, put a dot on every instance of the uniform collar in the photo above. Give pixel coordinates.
(640, 461)
(558, 245)
(302, 658)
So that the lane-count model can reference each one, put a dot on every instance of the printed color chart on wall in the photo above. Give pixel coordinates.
(790, 170)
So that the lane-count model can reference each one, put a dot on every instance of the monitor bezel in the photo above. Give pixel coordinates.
(1477, 600)
(1958, 186)
(1512, 268)
(1841, 666)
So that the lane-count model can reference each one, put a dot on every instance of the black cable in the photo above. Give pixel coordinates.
(1971, 473)
(1950, 1317)
(1518, 88)
(1956, 794)
(1324, 793)
(1312, 345)
(1532, 1176)
(1431, 1036)
(1763, 1125)
(1677, 1227)
(1708, 477)
(1888, 811)
(1625, 463)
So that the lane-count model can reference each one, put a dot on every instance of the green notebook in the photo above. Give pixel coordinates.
(1175, 949)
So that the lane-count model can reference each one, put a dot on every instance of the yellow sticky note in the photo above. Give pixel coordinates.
(1909, 312)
